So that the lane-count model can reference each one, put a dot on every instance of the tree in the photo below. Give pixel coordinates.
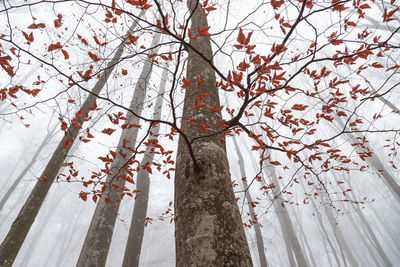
(203, 188)
(20, 228)
(253, 214)
(95, 248)
(138, 221)
(284, 68)
(28, 166)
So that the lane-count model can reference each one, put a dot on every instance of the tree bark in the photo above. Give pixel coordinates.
(136, 230)
(208, 225)
(21, 225)
(95, 248)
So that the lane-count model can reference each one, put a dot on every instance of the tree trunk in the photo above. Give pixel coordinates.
(256, 227)
(307, 244)
(21, 225)
(208, 225)
(323, 229)
(291, 240)
(344, 247)
(374, 240)
(95, 248)
(45, 141)
(136, 230)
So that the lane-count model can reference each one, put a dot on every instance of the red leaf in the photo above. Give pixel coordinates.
(299, 107)
(36, 26)
(94, 57)
(377, 65)
(276, 163)
(241, 38)
(108, 131)
(364, 6)
(124, 72)
(28, 37)
(54, 47)
(57, 23)
(186, 83)
(94, 106)
(113, 154)
(83, 196)
(35, 92)
(199, 81)
(203, 31)
(68, 142)
(65, 53)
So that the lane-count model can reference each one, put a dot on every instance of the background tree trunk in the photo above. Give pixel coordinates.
(28, 166)
(21, 225)
(208, 226)
(256, 227)
(136, 230)
(291, 240)
(97, 242)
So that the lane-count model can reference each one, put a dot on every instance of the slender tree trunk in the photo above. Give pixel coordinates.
(388, 232)
(208, 225)
(371, 234)
(20, 227)
(287, 227)
(325, 234)
(45, 141)
(344, 247)
(95, 248)
(363, 238)
(256, 227)
(307, 244)
(136, 230)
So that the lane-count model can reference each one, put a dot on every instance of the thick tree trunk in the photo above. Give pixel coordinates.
(136, 230)
(256, 227)
(20, 227)
(208, 226)
(97, 242)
